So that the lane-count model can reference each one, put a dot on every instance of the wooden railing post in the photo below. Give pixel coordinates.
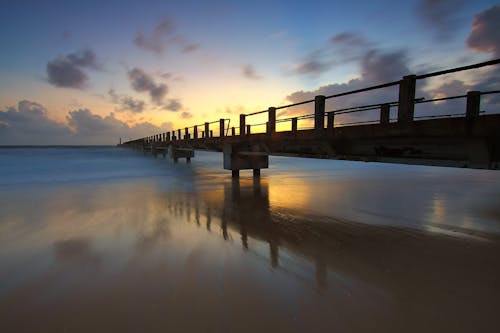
(406, 108)
(473, 104)
(319, 113)
(207, 130)
(221, 127)
(211, 133)
(233, 131)
(195, 132)
(330, 120)
(271, 127)
(294, 125)
(242, 124)
(168, 136)
(385, 112)
(248, 129)
(186, 133)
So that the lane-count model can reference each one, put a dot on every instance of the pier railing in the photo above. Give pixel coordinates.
(321, 119)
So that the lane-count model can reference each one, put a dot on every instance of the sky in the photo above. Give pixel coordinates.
(92, 72)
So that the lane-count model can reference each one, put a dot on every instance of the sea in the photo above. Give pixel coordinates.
(110, 239)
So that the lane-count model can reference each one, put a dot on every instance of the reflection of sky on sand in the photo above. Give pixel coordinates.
(235, 258)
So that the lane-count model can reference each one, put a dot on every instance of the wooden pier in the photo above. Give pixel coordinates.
(466, 138)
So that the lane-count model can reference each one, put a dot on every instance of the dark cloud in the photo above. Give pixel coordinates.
(311, 65)
(249, 72)
(126, 103)
(28, 124)
(186, 115)
(440, 16)
(376, 67)
(155, 41)
(173, 105)
(143, 82)
(485, 33)
(68, 71)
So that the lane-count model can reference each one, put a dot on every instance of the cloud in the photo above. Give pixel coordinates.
(377, 67)
(28, 124)
(190, 47)
(341, 48)
(186, 115)
(155, 41)
(67, 71)
(173, 105)
(142, 82)
(249, 72)
(485, 36)
(160, 36)
(126, 103)
(440, 16)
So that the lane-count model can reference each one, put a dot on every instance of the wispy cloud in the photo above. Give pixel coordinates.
(250, 73)
(155, 40)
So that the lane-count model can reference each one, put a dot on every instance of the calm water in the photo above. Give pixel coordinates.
(105, 239)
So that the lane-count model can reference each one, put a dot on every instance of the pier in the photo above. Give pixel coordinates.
(466, 138)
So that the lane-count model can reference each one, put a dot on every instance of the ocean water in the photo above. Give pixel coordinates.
(109, 239)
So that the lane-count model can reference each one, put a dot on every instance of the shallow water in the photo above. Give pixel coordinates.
(106, 239)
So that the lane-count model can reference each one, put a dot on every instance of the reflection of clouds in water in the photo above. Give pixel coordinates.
(76, 254)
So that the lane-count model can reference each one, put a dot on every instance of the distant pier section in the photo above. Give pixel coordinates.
(466, 138)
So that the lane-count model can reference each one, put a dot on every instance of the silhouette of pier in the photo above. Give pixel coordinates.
(467, 138)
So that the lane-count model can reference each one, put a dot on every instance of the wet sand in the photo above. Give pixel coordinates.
(233, 258)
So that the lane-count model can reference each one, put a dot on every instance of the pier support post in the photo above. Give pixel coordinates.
(406, 105)
(319, 113)
(207, 130)
(222, 127)
(186, 133)
(385, 112)
(179, 134)
(195, 134)
(256, 173)
(473, 104)
(271, 127)
(330, 120)
(168, 136)
(242, 124)
(294, 125)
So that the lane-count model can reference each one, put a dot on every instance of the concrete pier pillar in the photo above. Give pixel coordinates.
(319, 113)
(473, 104)
(385, 112)
(406, 105)
(271, 127)
(256, 172)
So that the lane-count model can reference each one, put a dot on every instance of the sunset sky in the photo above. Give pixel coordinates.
(89, 72)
